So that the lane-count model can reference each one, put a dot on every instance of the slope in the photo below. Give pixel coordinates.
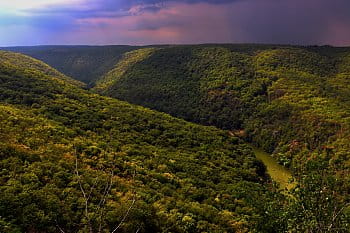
(282, 96)
(75, 161)
(291, 101)
(28, 64)
(83, 63)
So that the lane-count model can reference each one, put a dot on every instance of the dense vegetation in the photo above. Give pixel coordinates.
(282, 97)
(83, 63)
(72, 161)
(290, 101)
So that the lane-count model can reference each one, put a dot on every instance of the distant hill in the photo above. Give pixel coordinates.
(83, 63)
(75, 161)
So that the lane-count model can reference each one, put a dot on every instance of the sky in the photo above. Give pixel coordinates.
(141, 22)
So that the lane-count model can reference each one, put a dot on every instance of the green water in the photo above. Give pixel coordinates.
(278, 173)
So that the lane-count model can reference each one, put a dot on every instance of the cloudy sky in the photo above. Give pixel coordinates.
(307, 22)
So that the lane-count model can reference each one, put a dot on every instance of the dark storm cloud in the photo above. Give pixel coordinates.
(187, 21)
(268, 21)
(116, 8)
(296, 22)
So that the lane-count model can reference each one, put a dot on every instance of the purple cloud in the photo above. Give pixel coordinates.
(182, 21)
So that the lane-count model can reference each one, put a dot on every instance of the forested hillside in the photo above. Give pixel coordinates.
(287, 99)
(291, 101)
(75, 161)
(29, 65)
(72, 161)
(83, 63)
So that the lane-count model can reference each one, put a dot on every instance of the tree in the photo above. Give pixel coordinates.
(320, 201)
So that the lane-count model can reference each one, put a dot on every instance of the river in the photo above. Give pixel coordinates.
(278, 173)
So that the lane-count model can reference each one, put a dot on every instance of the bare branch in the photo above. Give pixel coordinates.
(335, 216)
(106, 191)
(78, 176)
(108, 187)
(126, 214)
(84, 194)
(138, 229)
(129, 209)
(59, 228)
(92, 188)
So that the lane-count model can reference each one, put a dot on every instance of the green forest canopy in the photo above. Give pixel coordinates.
(60, 144)
(289, 100)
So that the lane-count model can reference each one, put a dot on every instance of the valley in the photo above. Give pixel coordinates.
(174, 116)
(147, 134)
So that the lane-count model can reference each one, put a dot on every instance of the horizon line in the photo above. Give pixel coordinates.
(174, 44)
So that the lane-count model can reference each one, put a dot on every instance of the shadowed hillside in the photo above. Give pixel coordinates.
(26, 64)
(281, 96)
(77, 161)
(83, 63)
(290, 101)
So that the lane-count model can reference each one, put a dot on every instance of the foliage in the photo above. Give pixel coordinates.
(28, 64)
(290, 101)
(72, 161)
(172, 175)
(281, 96)
(83, 63)
(324, 188)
